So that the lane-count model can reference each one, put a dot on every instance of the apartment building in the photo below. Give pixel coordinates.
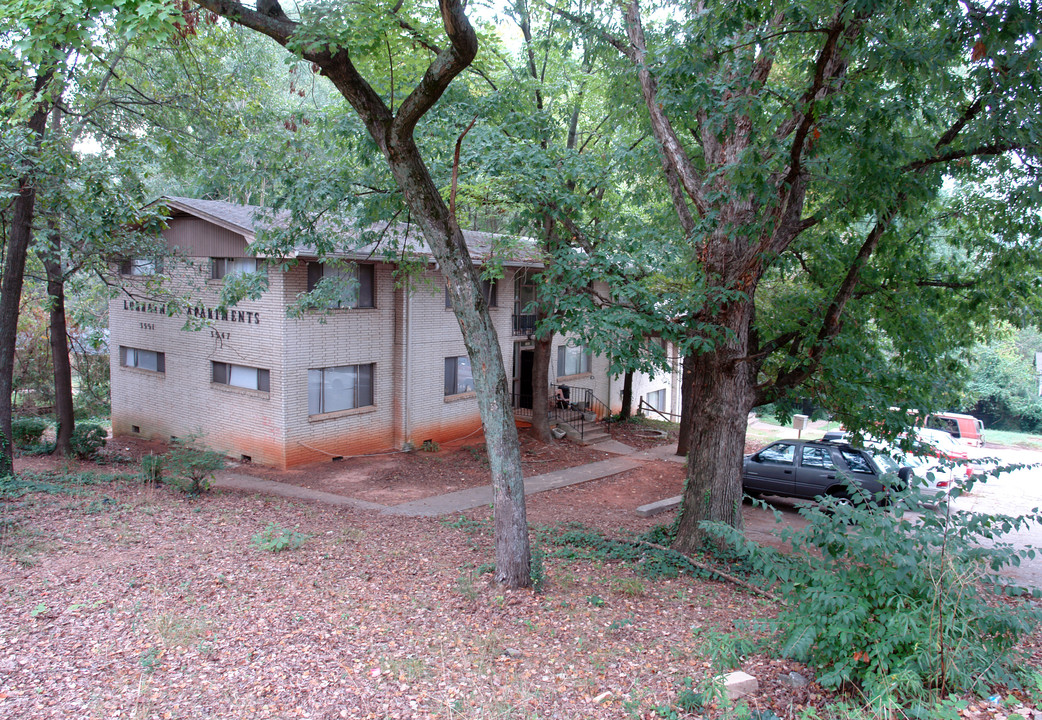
(379, 365)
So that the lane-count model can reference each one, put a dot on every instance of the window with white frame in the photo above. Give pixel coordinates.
(142, 359)
(354, 283)
(141, 266)
(345, 387)
(227, 267)
(572, 360)
(656, 400)
(241, 376)
(488, 291)
(459, 378)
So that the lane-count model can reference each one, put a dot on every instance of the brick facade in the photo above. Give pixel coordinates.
(405, 338)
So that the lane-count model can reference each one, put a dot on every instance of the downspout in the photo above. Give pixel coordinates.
(406, 420)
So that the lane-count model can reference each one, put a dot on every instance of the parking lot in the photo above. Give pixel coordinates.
(1010, 493)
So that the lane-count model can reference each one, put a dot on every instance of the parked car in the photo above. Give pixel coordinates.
(945, 448)
(810, 468)
(934, 477)
(966, 429)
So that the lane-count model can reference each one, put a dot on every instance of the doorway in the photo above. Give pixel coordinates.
(523, 361)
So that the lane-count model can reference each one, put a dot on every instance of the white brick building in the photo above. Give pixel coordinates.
(385, 369)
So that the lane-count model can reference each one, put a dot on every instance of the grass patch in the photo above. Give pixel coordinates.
(178, 630)
(1013, 439)
(56, 483)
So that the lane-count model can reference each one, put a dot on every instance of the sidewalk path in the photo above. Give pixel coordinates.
(476, 497)
(461, 500)
(233, 481)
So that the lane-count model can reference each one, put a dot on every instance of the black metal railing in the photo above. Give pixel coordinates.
(524, 324)
(577, 406)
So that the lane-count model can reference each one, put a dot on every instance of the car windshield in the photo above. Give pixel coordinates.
(892, 458)
(883, 460)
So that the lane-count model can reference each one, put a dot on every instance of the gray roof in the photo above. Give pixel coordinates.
(248, 220)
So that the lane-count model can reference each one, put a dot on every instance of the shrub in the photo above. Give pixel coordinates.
(152, 469)
(87, 439)
(27, 431)
(190, 469)
(275, 538)
(898, 603)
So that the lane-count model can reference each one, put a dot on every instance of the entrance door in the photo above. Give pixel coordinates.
(523, 361)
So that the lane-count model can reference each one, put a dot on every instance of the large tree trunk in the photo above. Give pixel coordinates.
(687, 415)
(627, 396)
(513, 553)
(63, 401)
(724, 393)
(393, 132)
(541, 388)
(18, 239)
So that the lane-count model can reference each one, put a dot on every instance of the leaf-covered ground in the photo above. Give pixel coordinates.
(125, 601)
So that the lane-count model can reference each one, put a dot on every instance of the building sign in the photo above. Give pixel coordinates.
(246, 317)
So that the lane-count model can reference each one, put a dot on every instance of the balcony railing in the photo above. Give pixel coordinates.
(524, 324)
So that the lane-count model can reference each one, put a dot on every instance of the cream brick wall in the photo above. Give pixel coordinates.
(358, 336)
(406, 337)
(433, 335)
(182, 401)
(608, 388)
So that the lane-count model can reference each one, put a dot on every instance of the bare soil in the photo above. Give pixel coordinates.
(121, 600)
(393, 478)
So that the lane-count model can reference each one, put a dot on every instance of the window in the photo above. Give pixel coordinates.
(856, 461)
(488, 290)
(353, 284)
(141, 266)
(782, 453)
(572, 360)
(241, 376)
(458, 375)
(817, 458)
(657, 399)
(142, 359)
(223, 267)
(339, 388)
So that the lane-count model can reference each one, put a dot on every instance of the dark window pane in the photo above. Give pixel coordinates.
(314, 274)
(364, 386)
(366, 285)
(450, 376)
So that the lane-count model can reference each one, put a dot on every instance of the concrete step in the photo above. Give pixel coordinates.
(594, 435)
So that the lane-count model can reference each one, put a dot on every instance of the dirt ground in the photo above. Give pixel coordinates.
(121, 600)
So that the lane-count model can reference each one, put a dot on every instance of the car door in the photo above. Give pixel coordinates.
(772, 470)
(816, 472)
(861, 470)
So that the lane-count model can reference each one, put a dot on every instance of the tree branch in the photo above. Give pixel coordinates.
(672, 151)
(455, 167)
(450, 62)
(982, 150)
(831, 324)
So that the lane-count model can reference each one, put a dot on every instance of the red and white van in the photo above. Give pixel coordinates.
(965, 428)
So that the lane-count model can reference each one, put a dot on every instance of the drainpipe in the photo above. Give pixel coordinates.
(406, 420)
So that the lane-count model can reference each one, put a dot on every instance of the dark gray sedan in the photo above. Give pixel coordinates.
(807, 469)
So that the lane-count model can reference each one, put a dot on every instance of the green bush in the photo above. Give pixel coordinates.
(900, 604)
(191, 470)
(152, 469)
(87, 439)
(27, 431)
(275, 538)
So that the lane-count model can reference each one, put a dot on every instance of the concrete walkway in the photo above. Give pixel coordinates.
(476, 497)
(461, 500)
(234, 481)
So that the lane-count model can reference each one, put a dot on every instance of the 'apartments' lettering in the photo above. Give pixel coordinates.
(247, 317)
